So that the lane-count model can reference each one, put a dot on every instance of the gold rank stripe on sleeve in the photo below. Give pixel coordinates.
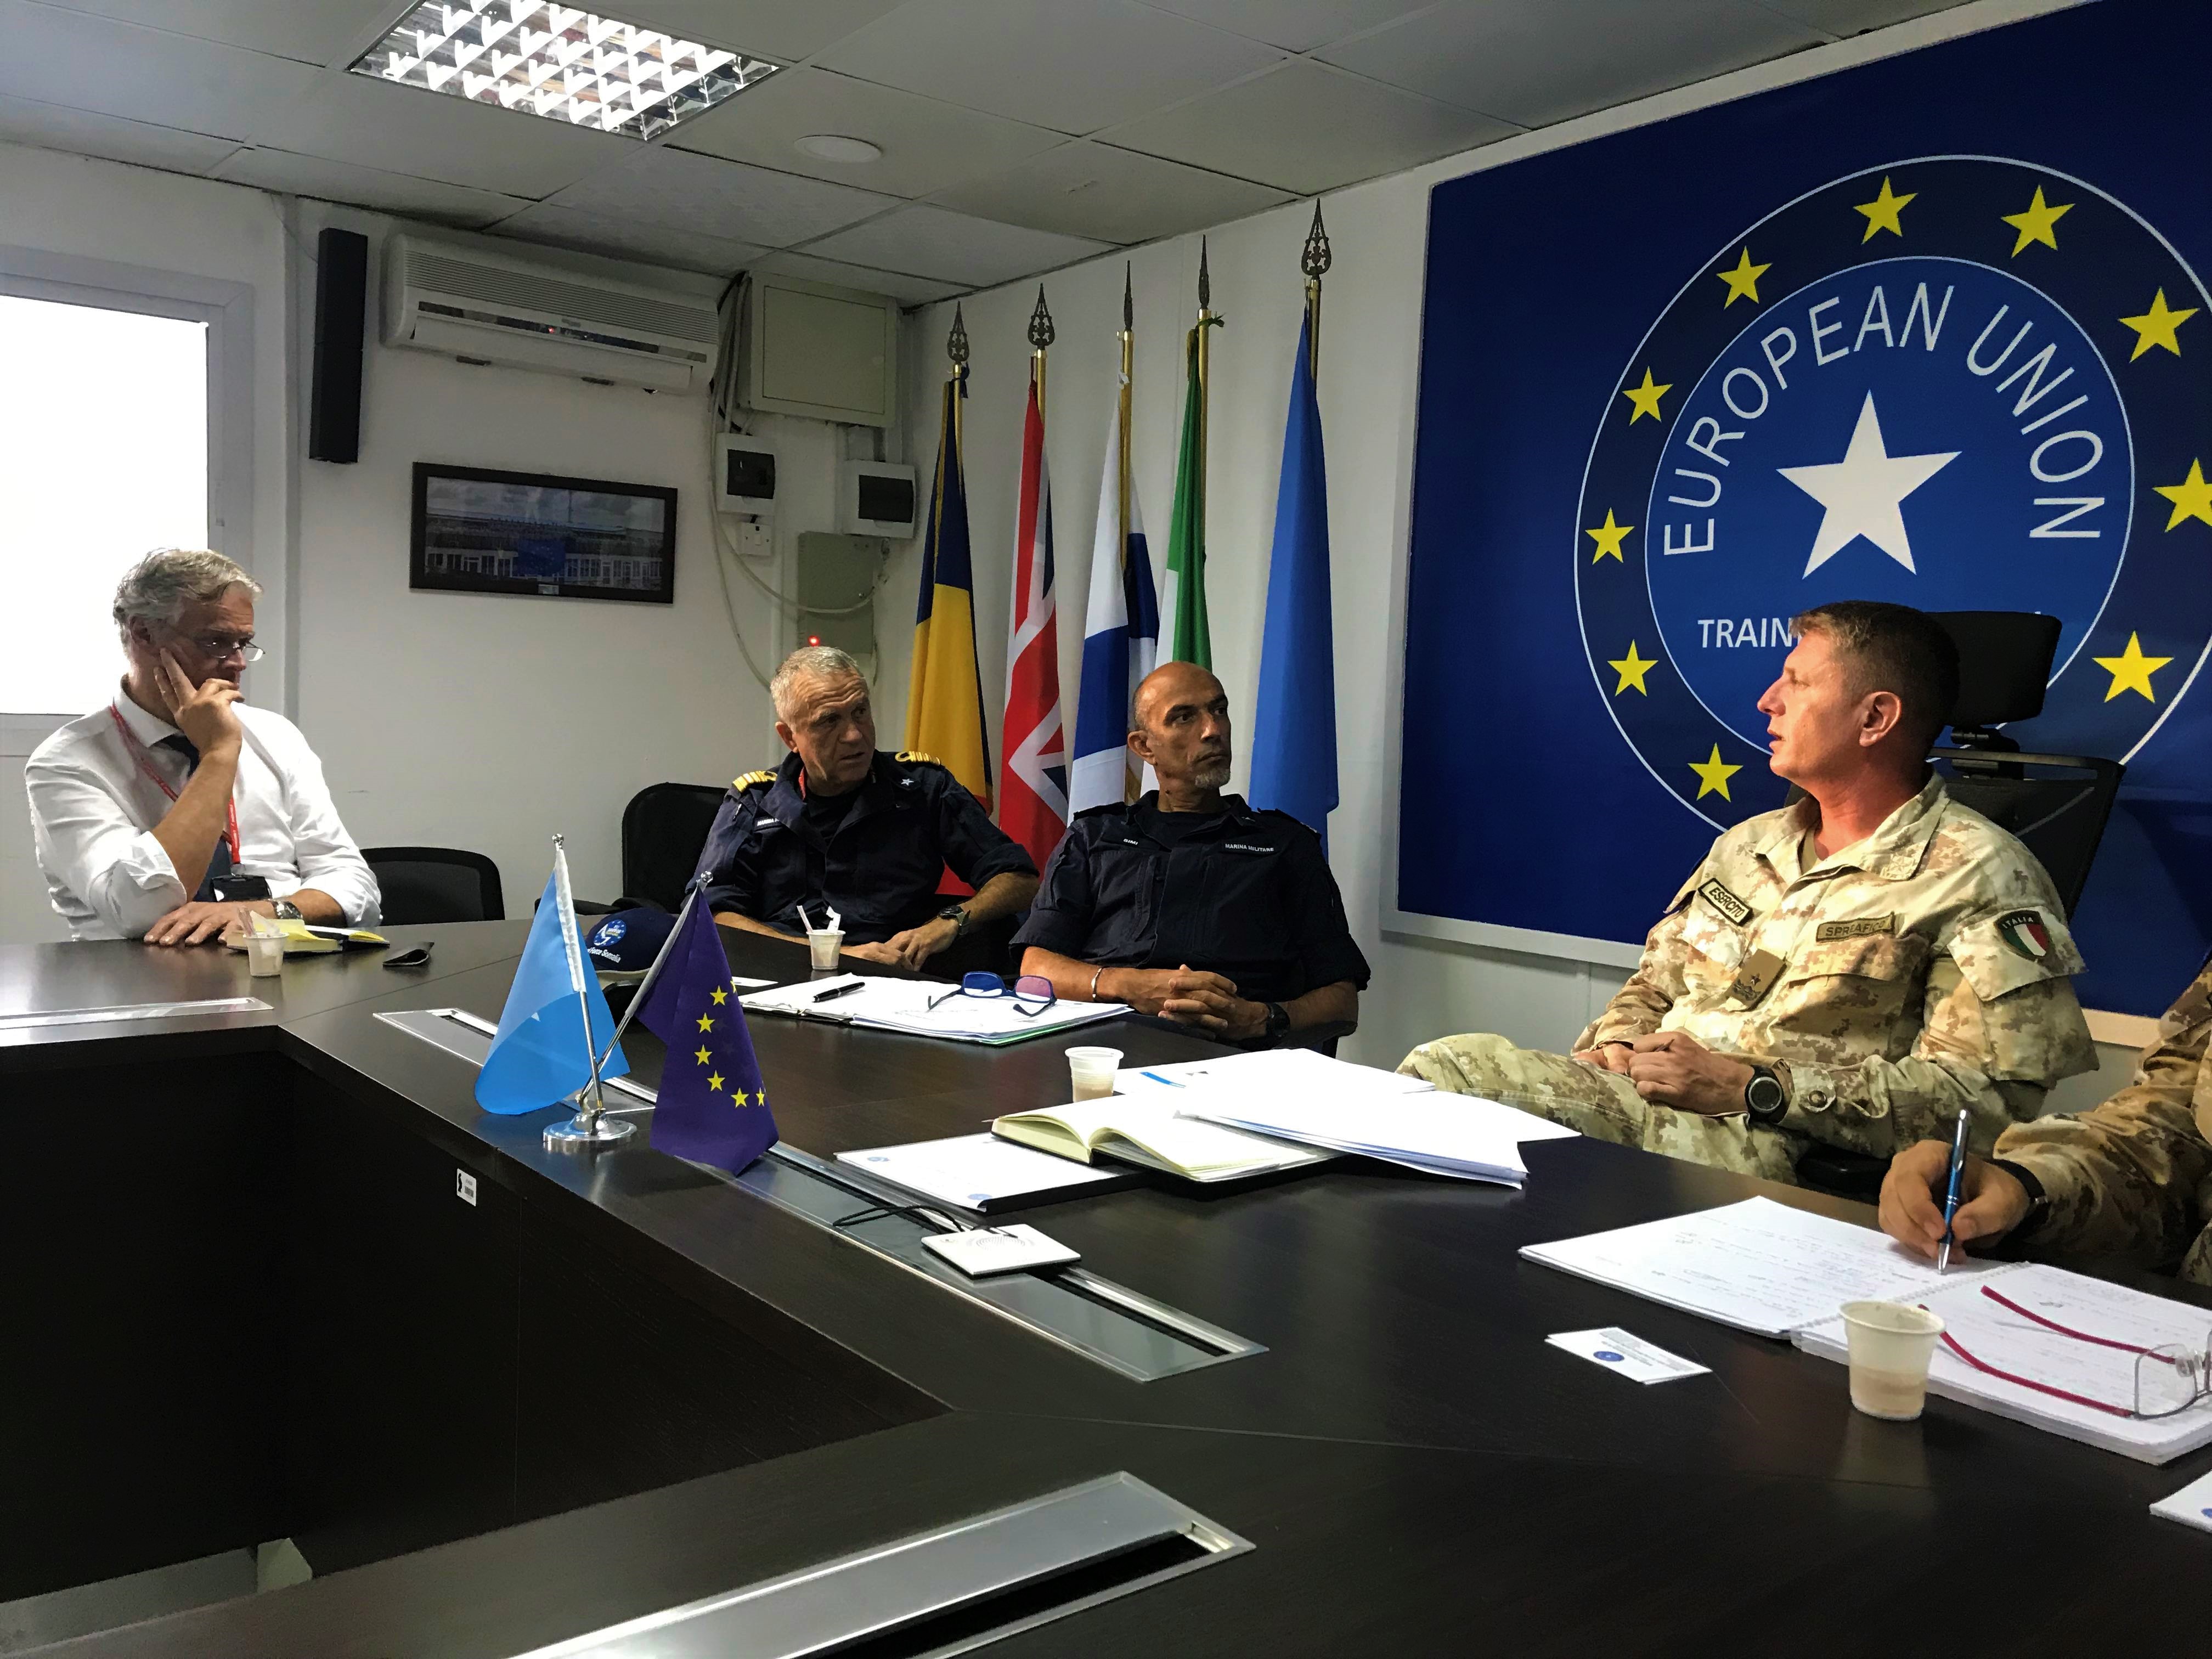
(913, 756)
(752, 779)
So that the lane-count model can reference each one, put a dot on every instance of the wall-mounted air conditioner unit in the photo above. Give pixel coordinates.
(488, 308)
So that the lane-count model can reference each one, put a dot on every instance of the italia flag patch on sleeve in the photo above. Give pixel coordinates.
(2023, 930)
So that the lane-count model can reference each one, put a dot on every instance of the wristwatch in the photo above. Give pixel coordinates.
(957, 915)
(1763, 1096)
(1279, 1021)
(2038, 1201)
(284, 909)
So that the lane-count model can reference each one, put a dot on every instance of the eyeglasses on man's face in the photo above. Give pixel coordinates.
(221, 647)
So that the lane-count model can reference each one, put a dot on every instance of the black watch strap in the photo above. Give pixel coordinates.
(957, 915)
(1768, 1105)
(1278, 1020)
(2038, 1201)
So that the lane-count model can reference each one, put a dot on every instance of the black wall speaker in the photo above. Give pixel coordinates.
(341, 295)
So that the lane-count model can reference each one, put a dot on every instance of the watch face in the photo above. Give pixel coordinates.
(1763, 1094)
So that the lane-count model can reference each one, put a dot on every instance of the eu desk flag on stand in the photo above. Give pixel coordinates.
(1033, 774)
(542, 1054)
(944, 693)
(713, 1106)
(1121, 623)
(1294, 734)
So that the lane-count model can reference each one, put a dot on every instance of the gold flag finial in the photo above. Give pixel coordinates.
(1205, 280)
(1316, 258)
(1042, 332)
(956, 343)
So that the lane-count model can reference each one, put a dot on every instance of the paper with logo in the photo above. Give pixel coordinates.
(1921, 339)
(713, 1105)
(2191, 1505)
(1627, 1355)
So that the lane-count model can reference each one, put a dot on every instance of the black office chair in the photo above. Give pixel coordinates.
(664, 831)
(436, 883)
(2058, 804)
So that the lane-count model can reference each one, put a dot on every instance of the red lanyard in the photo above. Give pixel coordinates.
(146, 765)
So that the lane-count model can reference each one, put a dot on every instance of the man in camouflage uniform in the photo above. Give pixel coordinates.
(1852, 970)
(2131, 1178)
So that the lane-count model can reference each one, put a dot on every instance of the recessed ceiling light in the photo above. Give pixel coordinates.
(833, 147)
(560, 62)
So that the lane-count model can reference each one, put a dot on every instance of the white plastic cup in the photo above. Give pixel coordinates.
(1891, 1344)
(264, 955)
(822, 945)
(1090, 1071)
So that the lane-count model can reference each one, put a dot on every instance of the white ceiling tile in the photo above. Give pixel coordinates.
(932, 242)
(1295, 25)
(314, 31)
(26, 121)
(1535, 62)
(143, 75)
(785, 30)
(1088, 189)
(389, 192)
(1844, 17)
(400, 129)
(623, 239)
(1071, 68)
(1307, 128)
(672, 187)
(906, 290)
(926, 144)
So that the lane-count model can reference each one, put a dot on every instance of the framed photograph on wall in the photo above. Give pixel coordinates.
(481, 531)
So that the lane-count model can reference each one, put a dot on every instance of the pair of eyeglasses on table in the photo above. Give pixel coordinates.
(2169, 1378)
(1032, 994)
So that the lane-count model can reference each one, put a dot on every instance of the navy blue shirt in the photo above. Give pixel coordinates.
(878, 864)
(1244, 894)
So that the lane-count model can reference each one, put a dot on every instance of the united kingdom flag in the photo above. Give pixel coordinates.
(1033, 774)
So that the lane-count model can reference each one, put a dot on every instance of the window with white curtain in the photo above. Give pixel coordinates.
(103, 457)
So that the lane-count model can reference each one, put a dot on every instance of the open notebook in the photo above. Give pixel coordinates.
(1152, 1136)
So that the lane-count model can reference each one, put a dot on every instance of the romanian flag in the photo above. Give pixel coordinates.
(945, 697)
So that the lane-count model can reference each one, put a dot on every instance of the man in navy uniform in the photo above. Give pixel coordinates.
(840, 826)
(1188, 903)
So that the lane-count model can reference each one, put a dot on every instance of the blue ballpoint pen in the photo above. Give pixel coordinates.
(1951, 1197)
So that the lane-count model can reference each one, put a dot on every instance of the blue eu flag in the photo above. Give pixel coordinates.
(540, 1056)
(714, 1106)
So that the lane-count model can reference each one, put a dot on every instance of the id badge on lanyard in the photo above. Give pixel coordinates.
(146, 765)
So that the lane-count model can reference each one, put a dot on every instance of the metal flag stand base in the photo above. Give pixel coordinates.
(590, 1127)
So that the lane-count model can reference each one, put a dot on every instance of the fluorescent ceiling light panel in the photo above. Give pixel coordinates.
(561, 62)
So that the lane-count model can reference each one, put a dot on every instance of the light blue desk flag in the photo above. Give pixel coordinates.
(1294, 728)
(540, 1055)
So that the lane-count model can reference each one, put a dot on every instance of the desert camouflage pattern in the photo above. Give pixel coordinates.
(1924, 969)
(2133, 1177)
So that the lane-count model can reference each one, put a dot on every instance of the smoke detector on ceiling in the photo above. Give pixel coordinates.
(835, 147)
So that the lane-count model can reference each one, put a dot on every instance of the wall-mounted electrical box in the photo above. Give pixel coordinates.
(875, 498)
(835, 575)
(744, 476)
(827, 353)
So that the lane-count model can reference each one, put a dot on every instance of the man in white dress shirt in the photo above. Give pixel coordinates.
(175, 809)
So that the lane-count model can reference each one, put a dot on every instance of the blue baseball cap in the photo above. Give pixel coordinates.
(621, 947)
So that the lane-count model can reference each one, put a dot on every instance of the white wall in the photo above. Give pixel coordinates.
(1371, 346)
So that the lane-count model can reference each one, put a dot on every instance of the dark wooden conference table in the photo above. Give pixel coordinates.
(245, 1301)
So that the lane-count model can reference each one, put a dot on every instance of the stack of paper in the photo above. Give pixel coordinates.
(980, 1172)
(1431, 1133)
(903, 1005)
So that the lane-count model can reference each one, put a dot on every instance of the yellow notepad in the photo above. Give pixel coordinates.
(302, 939)
(1140, 1132)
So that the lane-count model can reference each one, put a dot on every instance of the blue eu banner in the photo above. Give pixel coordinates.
(713, 1105)
(1902, 333)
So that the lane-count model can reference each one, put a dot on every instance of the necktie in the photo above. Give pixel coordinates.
(220, 865)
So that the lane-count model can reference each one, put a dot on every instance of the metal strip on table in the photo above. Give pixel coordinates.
(34, 1021)
(946, 1582)
(1106, 1322)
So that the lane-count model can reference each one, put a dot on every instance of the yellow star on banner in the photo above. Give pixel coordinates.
(1881, 213)
(1743, 281)
(706, 1022)
(1645, 398)
(2157, 327)
(2131, 671)
(714, 1080)
(721, 996)
(2034, 224)
(1712, 775)
(761, 1099)
(2191, 497)
(1631, 669)
(702, 1056)
(1607, 537)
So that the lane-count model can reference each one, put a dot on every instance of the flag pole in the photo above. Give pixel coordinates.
(956, 348)
(590, 1125)
(1041, 335)
(1206, 319)
(1314, 261)
(1128, 338)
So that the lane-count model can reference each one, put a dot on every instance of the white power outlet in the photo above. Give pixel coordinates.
(754, 541)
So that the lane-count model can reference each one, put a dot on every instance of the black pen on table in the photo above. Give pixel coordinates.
(836, 991)
(1951, 1196)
